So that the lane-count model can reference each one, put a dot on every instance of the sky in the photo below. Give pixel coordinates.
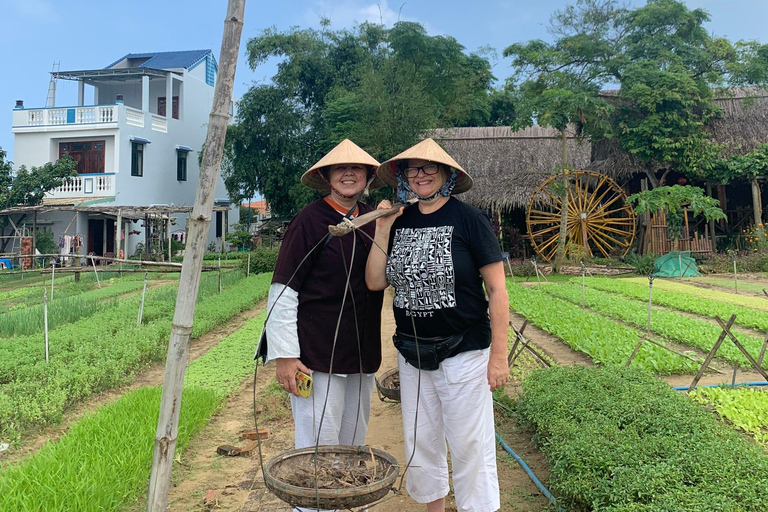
(91, 34)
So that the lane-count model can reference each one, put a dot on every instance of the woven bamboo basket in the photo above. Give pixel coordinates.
(338, 458)
(388, 385)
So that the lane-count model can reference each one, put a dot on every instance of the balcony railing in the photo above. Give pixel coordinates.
(93, 115)
(85, 185)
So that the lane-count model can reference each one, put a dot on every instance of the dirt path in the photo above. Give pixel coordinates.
(152, 376)
(208, 481)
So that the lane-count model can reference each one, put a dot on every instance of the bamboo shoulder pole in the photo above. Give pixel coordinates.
(198, 224)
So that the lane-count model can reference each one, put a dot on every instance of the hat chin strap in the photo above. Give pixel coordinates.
(363, 193)
(403, 188)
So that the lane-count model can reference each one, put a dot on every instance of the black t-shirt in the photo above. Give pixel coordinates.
(434, 264)
(320, 283)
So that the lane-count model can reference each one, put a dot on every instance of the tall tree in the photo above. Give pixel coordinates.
(27, 187)
(380, 87)
(666, 66)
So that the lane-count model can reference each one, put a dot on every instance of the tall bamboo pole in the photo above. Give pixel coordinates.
(198, 223)
(560, 254)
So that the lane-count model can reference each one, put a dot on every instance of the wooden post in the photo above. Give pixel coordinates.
(169, 237)
(141, 303)
(735, 275)
(45, 321)
(34, 239)
(712, 352)
(199, 222)
(248, 268)
(711, 221)
(727, 330)
(757, 205)
(93, 263)
(147, 237)
(118, 233)
(650, 303)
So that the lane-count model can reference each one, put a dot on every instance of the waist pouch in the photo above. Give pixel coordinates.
(430, 352)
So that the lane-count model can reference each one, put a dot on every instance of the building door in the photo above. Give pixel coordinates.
(96, 237)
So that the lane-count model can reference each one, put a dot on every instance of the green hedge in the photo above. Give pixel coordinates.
(618, 440)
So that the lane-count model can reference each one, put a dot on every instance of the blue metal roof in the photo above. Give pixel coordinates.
(168, 60)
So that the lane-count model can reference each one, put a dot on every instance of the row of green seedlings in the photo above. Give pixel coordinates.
(746, 408)
(619, 440)
(103, 462)
(602, 339)
(64, 286)
(760, 303)
(747, 317)
(72, 307)
(64, 310)
(726, 283)
(99, 353)
(673, 326)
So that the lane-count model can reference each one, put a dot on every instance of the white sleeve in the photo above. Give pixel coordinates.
(282, 329)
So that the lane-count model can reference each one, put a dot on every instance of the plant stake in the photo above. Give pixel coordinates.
(95, 271)
(141, 302)
(45, 321)
(53, 272)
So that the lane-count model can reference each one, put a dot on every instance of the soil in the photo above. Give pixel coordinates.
(207, 481)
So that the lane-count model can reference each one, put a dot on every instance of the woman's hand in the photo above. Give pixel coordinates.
(385, 223)
(286, 373)
(498, 370)
(376, 268)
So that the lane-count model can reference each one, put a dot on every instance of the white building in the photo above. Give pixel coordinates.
(136, 142)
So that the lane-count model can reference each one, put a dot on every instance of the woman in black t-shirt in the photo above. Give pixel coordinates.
(443, 258)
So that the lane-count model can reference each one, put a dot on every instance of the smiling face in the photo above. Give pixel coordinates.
(348, 179)
(425, 185)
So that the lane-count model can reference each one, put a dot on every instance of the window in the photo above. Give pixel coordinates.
(89, 155)
(137, 159)
(219, 220)
(181, 165)
(161, 105)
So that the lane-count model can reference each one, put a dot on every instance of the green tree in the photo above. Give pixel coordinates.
(739, 168)
(673, 200)
(666, 66)
(380, 87)
(27, 187)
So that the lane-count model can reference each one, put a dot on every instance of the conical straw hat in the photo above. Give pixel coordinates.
(347, 152)
(430, 150)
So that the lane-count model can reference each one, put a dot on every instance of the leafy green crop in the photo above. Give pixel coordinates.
(760, 303)
(602, 339)
(674, 326)
(619, 440)
(745, 408)
(683, 302)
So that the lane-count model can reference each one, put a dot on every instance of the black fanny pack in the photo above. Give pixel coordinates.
(429, 352)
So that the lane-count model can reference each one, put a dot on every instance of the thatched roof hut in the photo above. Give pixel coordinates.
(742, 126)
(507, 165)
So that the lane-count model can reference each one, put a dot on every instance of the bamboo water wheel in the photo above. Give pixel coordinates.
(600, 221)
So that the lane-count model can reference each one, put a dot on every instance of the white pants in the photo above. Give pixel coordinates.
(346, 414)
(455, 405)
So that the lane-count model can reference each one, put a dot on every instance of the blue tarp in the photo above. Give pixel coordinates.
(5, 263)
